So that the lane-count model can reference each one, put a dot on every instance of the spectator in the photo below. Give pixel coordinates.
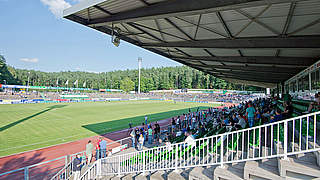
(193, 123)
(98, 150)
(250, 113)
(142, 131)
(89, 149)
(315, 104)
(76, 167)
(103, 147)
(146, 119)
(288, 110)
(156, 132)
(141, 141)
(178, 123)
(190, 140)
(173, 124)
(133, 137)
(241, 123)
(277, 117)
(150, 135)
(161, 143)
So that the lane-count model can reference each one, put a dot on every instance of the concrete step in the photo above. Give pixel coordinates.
(142, 176)
(202, 173)
(303, 165)
(158, 175)
(127, 176)
(311, 145)
(266, 169)
(175, 175)
(229, 171)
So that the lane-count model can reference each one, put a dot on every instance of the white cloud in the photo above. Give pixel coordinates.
(30, 60)
(56, 6)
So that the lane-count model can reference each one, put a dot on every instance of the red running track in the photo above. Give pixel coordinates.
(28, 158)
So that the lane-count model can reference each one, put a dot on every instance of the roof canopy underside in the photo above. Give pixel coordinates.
(258, 42)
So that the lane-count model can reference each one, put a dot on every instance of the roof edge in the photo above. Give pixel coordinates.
(81, 6)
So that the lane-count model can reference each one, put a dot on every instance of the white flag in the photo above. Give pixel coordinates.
(67, 82)
(84, 84)
(76, 82)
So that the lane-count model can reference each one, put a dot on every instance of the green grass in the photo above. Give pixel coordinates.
(30, 126)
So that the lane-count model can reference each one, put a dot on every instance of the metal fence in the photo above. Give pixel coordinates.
(114, 147)
(278, 139)
(58, 168)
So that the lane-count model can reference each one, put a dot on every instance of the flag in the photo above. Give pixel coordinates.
(76, 82)
(84, 84)
(67, 82)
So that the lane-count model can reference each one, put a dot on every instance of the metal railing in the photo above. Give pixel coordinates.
(114, 147)
(278, 139)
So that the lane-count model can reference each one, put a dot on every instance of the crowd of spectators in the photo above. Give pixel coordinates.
(196, 124)
(203, 97)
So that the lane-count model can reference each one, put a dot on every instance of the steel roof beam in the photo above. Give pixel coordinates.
(103, 10)
(179, 29)
(253, 77)
(253, 68)
(257, 73)
(180, 8)
(243, 43)
(267, 60)
(248, 78)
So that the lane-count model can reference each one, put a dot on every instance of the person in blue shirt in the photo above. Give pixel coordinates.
(277, 117)
(250, 113)
(103, 148)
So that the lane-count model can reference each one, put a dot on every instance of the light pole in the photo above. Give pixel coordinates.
(139, 65)
(28, 81)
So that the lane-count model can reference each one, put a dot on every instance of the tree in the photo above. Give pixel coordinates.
(126, 84)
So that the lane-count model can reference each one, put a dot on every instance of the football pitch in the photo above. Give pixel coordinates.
(26, 127)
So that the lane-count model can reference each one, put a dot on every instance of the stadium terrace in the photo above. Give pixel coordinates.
(200, 133)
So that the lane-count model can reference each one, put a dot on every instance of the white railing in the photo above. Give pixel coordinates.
(114, 147)
(278, 139)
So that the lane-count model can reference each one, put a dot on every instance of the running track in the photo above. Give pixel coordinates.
(28, 158)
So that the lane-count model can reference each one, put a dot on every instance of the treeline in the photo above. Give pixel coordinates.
(151, 79)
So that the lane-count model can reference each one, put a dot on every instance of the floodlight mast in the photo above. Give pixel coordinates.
(139, 66)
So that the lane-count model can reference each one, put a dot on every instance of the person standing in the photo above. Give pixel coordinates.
(150, 135)
(141, 142)
(133, 137)
(250, 112)
(89, 149)
(76, 167)
(178, 123)
(98, 149)
(103, 147)
(173, 124)
(146, 119)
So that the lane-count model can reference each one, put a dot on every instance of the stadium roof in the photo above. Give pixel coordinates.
(257, 42)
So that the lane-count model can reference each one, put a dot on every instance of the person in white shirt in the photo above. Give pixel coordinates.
(193, 123)
(141, 141)
(190, 140)
(178, 123)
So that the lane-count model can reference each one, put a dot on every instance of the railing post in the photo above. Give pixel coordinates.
(119, 174)
(99, 164)
(26, 173)
(143, 163)
(221, 151)
(89, 173)
(176, 160)
(285, 143)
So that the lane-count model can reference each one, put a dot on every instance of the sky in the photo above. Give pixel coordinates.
(33, 35)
